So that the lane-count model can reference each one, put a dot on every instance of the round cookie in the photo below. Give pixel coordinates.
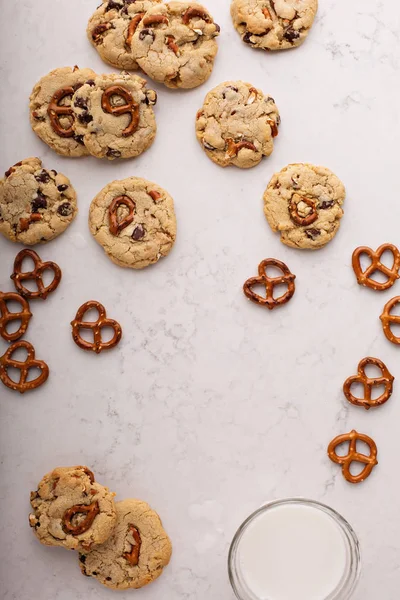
(134, 220)
(135, 554)
(71, 510)
(35, 205)
(237, 124)
(50, 98)
(174, 44)
(114, 115)
(110, 30)
(304, 203)
(273, 24)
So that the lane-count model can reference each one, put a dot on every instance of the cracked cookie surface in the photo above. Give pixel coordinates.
(175, 44)
(144, 222)
(237, 124)
(56, 129)
(303, 203)
(110, 30)
(135, 554)
(115, 117)
(36, 205)
(273, 24)
(71, 510)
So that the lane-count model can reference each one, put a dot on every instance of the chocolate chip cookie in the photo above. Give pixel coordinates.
(304, 203)
(111, 28)
(273, 24)
(114, 116)
(237, 124)
(134, 220)
(71, 510)
(36, 205)
(175, 44)
(135, 554)
(51, 113)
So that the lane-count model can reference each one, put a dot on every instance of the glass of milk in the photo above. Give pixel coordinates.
(294, 549)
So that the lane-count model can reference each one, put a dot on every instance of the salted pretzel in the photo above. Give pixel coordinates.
(345, 461)
(36, 275)
(96, 326)
(364, 277)
(269, 283)
(7, 362)
(387, 319)
(369, 383)
(6, 316)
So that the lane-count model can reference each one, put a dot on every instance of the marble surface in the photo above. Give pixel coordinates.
(211, 406)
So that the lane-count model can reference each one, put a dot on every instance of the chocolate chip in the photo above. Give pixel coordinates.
(77, 86)
(91, 82)
(65, 209)
(246, 38)
(80, 103)
(11, 169)
(113, 153)
(291, 34)
(39, 202)
(94, 573)
(208, 146)
(145, 32)
(112, 5)
(217, 27)
(85, 118)
(43, 177)
(62, 188)
(326, 204)
(54, 172)
(312, 233)
(82, 558)
(108, 578)
(138, 233)
(79, 139)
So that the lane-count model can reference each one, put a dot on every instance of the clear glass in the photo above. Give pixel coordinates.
(348, 583)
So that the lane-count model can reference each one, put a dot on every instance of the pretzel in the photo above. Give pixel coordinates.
(368, 383)
(269, 283)
(6, 362)
(133, 556)
(99, 31)
(37, 274)
(96, 326)
(172, 45)
(364, 277)
(117, 226)
(6, 316)
(354, 456)
(155, 20)
(91, 510)
(294, 211)
(154, 195)
(193, 12)
(235, 147)
(131, 107)
(55, 111)
(24, 223)
(387, 319)
(132, 28)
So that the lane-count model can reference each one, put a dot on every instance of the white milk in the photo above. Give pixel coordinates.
(293, 552)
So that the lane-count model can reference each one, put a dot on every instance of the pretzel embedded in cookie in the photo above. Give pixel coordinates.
(300, 215)
(117, 226)
(369, 383)
(72, 525)
(269, 283)
(56, 111)
(130, 107)
(6, 316)
(346, 461)
(365, 277)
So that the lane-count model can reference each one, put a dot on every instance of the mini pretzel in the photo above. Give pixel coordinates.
(133, 556)
(387, 319)
(96, 326)
(91, 510)
(6, 316)
(370, 461)
(235, 147)
(117, 226)
(55, 111)
(368, 383)
(37, 274)
(7, 362)
(294, 211)
(269, 283)
(192, 13)
(132, 28)
(99, 31)
(131, 107)
(364, 277)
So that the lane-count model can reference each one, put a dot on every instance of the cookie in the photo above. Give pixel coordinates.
(273, 24)
(134, 220)
(175, 44)
(114, 115)
(36, 205)
(51, 113)
(237, 124)
(71, 510)
(136, 553)
(304, 203)
(110, 30)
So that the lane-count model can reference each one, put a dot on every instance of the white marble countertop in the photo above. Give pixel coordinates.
(210, 405)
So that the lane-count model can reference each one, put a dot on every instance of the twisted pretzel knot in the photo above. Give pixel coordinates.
(130, 107)
(19, 276)
(387, 319)
(370, 461)
(364, 277)
(368, 383)
(96, 326)
(55, 111)
(117, 226)
(6, 316)
(269, 283)
(91, 510)
(6, 362)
